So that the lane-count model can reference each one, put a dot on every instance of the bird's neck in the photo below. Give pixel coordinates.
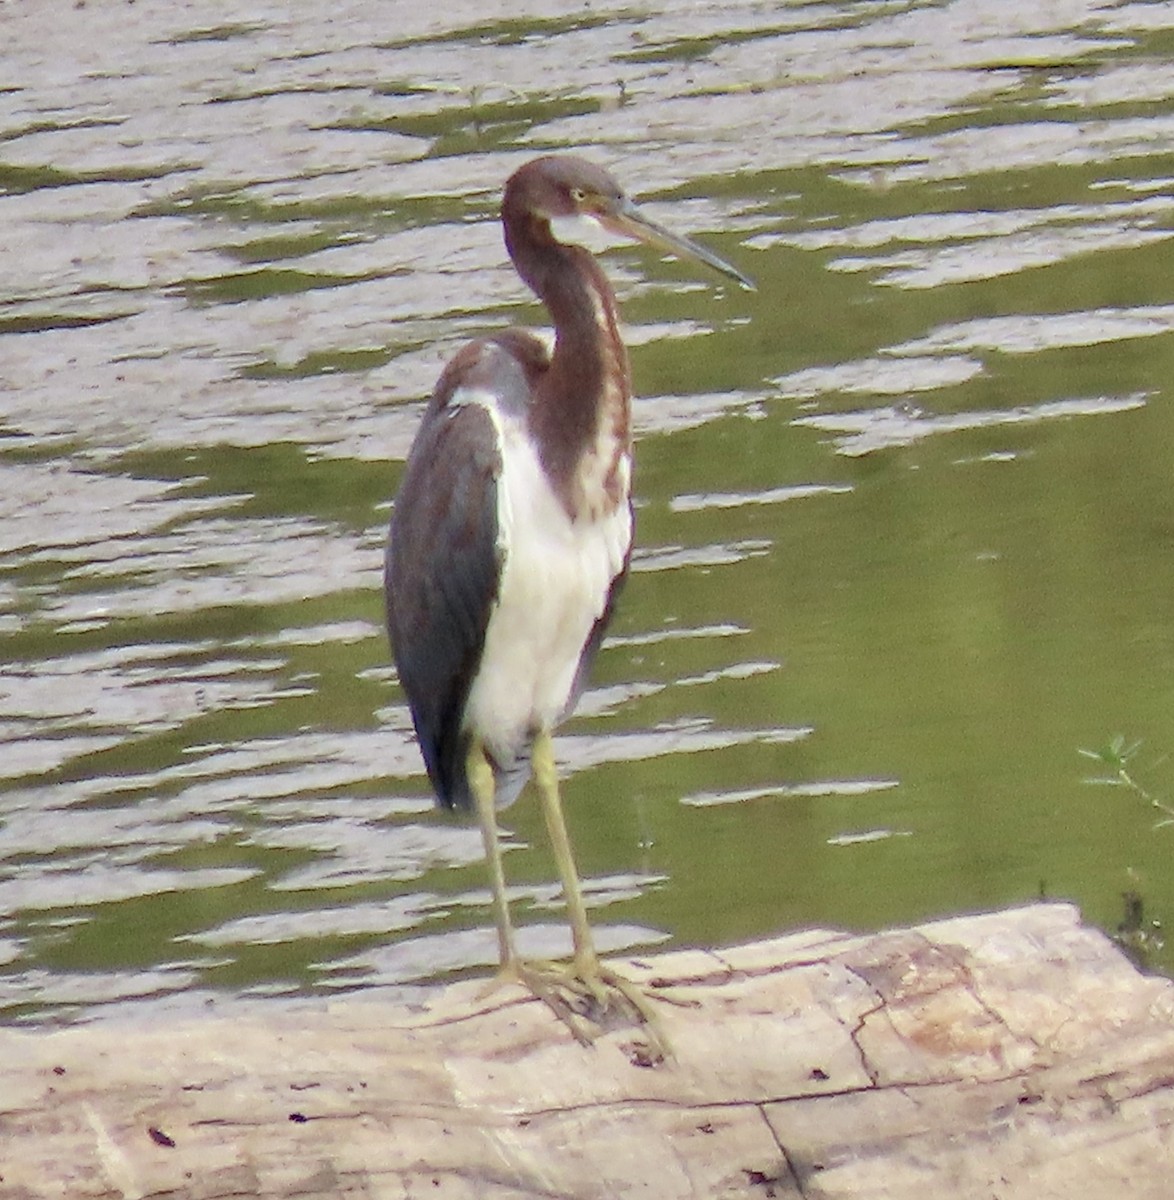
(581, 417)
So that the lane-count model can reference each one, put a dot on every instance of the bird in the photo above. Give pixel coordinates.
(510, 539)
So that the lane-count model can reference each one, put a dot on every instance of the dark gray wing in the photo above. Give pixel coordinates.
(441, 579)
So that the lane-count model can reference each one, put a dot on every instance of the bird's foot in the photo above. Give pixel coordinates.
(590, 998)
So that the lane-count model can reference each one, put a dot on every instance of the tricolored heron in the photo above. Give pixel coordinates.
(510, 539)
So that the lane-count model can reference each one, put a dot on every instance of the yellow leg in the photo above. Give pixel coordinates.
(584, 993)
(546, 777)
(542, 979)
(588, 976)
(480, 775)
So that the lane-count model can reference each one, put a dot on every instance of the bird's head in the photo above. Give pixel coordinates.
(561, 188)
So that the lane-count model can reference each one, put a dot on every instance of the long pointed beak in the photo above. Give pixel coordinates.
(630, 222)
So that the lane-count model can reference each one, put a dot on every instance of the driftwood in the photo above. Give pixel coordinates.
(1017, 1054)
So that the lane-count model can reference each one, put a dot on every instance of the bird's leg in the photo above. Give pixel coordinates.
(480, 776)
(546, 777)
(543, 980)
(588, 974)
(586, 984)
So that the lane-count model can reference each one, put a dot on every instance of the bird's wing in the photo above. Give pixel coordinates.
(442, 573)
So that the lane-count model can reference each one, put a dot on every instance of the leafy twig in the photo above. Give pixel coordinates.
(1115, 758)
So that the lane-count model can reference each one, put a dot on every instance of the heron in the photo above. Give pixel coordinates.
(510, 539)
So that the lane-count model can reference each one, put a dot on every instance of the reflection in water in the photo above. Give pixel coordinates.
(858, 787)
(890, 574)
(876, 429)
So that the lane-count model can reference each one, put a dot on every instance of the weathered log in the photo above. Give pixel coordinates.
(1012, 1055)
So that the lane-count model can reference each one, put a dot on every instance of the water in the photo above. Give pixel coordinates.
(905, 514)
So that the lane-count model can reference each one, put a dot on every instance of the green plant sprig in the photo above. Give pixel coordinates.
(1115, 757)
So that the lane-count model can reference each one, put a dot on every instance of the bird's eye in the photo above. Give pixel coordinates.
(578, 194)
